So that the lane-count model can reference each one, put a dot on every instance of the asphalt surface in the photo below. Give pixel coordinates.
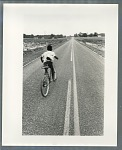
(75, 103)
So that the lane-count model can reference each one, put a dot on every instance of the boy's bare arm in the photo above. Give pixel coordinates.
(41, 59)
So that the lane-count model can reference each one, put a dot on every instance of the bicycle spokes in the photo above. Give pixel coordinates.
(45, 86)
(46, 81)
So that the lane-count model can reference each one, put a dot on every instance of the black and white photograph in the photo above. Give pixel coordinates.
(70, 101)
(63, 84)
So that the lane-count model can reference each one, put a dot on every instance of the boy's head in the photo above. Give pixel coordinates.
(49, 47)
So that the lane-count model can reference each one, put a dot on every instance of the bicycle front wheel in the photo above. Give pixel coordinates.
(45, 86)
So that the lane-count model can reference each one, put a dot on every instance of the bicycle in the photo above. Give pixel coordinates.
(46, 80)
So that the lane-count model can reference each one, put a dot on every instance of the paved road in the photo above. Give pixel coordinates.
(75, 104)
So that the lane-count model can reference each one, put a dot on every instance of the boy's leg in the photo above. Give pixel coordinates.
(45, 64)
(52, 69)
(46, 71)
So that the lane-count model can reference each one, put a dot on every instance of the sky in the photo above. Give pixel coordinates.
(66, 19)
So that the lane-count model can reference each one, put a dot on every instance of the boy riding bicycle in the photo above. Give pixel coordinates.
(47, 59)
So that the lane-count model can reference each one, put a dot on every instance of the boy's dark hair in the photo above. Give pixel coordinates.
(49, 47)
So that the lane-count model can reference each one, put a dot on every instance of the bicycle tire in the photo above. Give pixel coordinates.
(45, 86)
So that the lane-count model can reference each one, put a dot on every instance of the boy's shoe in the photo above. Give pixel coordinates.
(54, 76)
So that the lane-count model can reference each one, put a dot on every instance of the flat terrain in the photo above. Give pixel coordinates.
(35, 47)
(75, 104)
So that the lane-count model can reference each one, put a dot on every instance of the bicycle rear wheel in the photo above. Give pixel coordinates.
(45, 86)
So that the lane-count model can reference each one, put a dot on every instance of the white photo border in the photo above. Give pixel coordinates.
(12, 81)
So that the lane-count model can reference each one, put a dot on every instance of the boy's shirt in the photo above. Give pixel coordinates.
(49, 54)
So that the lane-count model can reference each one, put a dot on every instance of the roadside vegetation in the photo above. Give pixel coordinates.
(95, 34)
(96, 44)
(34, 47)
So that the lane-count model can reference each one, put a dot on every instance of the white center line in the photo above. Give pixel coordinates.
(71, 55)
(67, 113)
(76, 113)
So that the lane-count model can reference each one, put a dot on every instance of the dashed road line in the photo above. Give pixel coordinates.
(71, 55)
(67, 113)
